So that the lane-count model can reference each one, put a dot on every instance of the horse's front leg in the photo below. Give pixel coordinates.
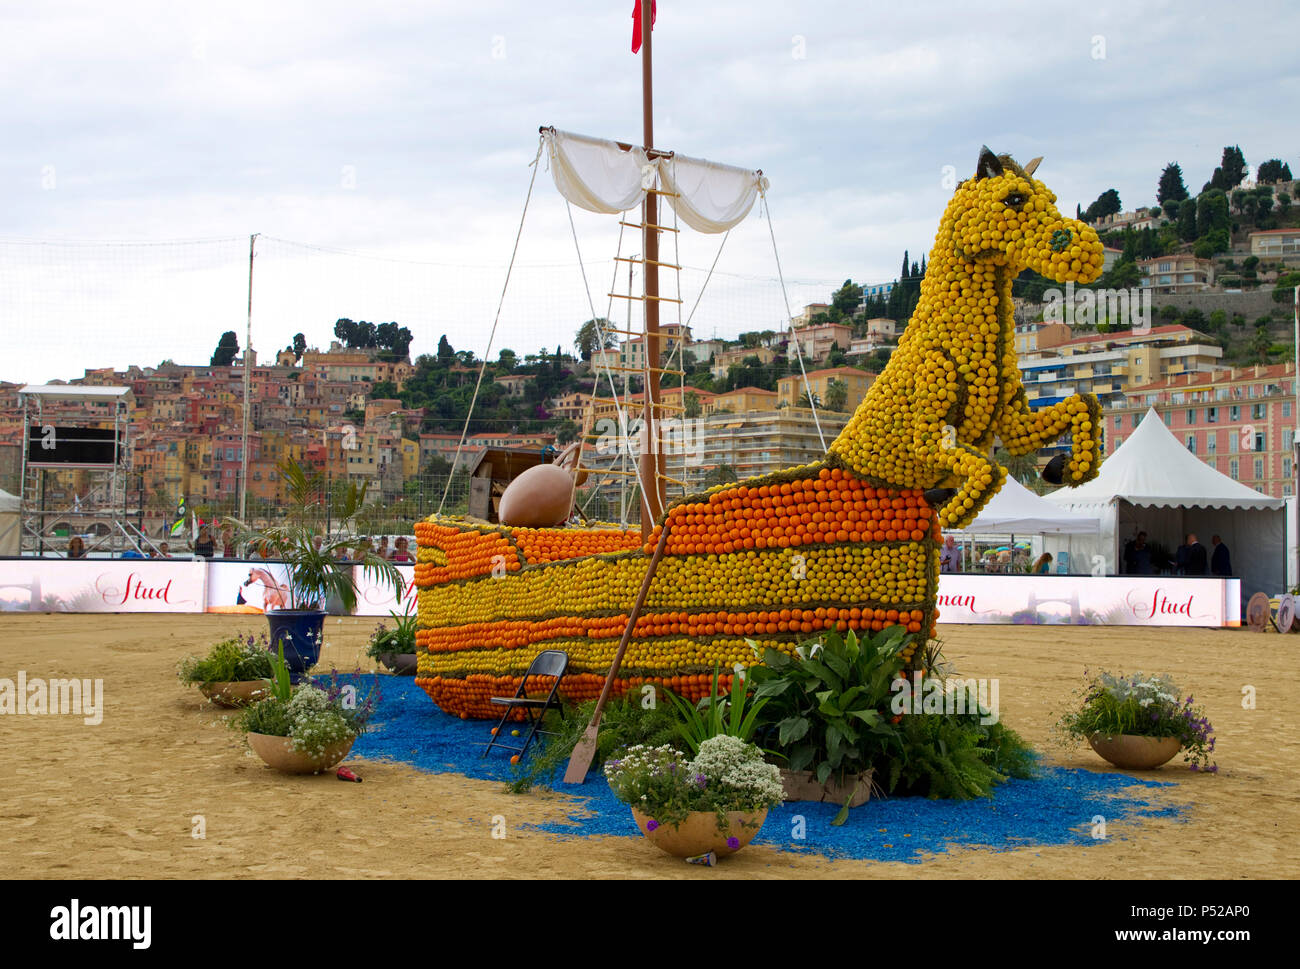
(1024, 431)
(981, 478)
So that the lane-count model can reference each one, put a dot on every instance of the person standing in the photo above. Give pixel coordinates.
(1140, 556)
(950, 557)
(204, 546)
(1197, 562)
(401, 551)
(1043, 565)
(1220, 559)
(228, 549)
(382, 549)
(76, 548)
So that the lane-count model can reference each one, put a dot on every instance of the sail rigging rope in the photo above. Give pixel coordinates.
(497, 319)
(604, 357)
(812, 404)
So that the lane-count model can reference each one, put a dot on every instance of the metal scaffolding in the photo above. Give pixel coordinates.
(74, 473)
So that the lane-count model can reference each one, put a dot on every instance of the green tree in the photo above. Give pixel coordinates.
(837, 395)
(227, 349)
(847, 298)
(691, 406)
(1257, 349)
(1283, 289)
(588, 339)
(299, 346)
(1187, 221)
(1273, 170)
(446, 355)
(1171, 187)
(1107, 203)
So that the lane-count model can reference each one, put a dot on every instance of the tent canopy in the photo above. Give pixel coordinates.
(1152, 483)
(1152, 469)
(1015, 510)
(8, 502)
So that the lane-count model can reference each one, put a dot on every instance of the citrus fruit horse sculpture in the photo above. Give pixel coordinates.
(848, 542)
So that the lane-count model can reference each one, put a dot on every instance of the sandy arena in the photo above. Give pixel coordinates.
(117, 800)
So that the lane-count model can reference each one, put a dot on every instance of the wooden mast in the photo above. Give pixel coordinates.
(650, 463)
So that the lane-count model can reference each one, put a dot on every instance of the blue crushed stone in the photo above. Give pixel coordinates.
(1055, 808)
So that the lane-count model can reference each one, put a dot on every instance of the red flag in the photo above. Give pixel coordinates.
(636, 24)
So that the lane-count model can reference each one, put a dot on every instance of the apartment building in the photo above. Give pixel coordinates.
(1108, 364)
(1239, 421)
(1176, 274)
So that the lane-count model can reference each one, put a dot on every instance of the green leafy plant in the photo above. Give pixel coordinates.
(827, 709)
(400, 639)
(237, 659)
(949, 755)
(625, 722)
(1144, 706)
(726, 774)
(312, 717)
(732, 715)
(317, 574)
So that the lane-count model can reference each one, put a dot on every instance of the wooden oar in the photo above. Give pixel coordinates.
(585, 751)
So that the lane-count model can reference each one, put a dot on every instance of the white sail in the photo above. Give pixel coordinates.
(600, 176)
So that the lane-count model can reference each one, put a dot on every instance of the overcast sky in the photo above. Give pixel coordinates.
(402, 133)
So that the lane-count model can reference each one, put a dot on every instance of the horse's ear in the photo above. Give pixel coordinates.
(988, 166)
(1033, 165)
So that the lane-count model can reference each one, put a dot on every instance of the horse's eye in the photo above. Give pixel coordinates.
(1014, 200)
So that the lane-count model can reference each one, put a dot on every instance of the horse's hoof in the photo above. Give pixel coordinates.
(936, 497)
(1054, 473)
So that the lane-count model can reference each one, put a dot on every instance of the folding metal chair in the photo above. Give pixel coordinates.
(550, 662)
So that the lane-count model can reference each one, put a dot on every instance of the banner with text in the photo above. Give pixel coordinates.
(34, 585)
(94, 585)
(1089, 600)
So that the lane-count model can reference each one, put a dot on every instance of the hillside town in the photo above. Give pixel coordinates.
(1191, 319)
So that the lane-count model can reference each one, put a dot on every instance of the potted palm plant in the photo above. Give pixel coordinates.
(316, 572)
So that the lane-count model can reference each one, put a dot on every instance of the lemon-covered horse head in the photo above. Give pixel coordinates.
(952, 389)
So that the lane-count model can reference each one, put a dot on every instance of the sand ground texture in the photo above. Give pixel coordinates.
(118, 800)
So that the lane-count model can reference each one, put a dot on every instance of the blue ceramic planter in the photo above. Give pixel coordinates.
(301, 632)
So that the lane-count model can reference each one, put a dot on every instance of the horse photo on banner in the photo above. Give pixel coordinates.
(247, 587)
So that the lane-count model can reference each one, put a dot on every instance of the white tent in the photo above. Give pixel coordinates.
(1154, 484)
(9, 523)
(1015, 510)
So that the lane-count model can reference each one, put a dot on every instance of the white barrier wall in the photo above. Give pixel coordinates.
(135, 585)
(1087, 600)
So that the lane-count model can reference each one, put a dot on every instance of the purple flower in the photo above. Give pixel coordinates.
(1155, 717)
(733, 843)
(701, 781)
(1194, 767)
(1213, 768)
(651, 824)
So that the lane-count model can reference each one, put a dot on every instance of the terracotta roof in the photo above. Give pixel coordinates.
(1208, 378)
(1126, 335)
(833, 370)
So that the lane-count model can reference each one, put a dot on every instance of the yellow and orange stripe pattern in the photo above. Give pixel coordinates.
(769, 561)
